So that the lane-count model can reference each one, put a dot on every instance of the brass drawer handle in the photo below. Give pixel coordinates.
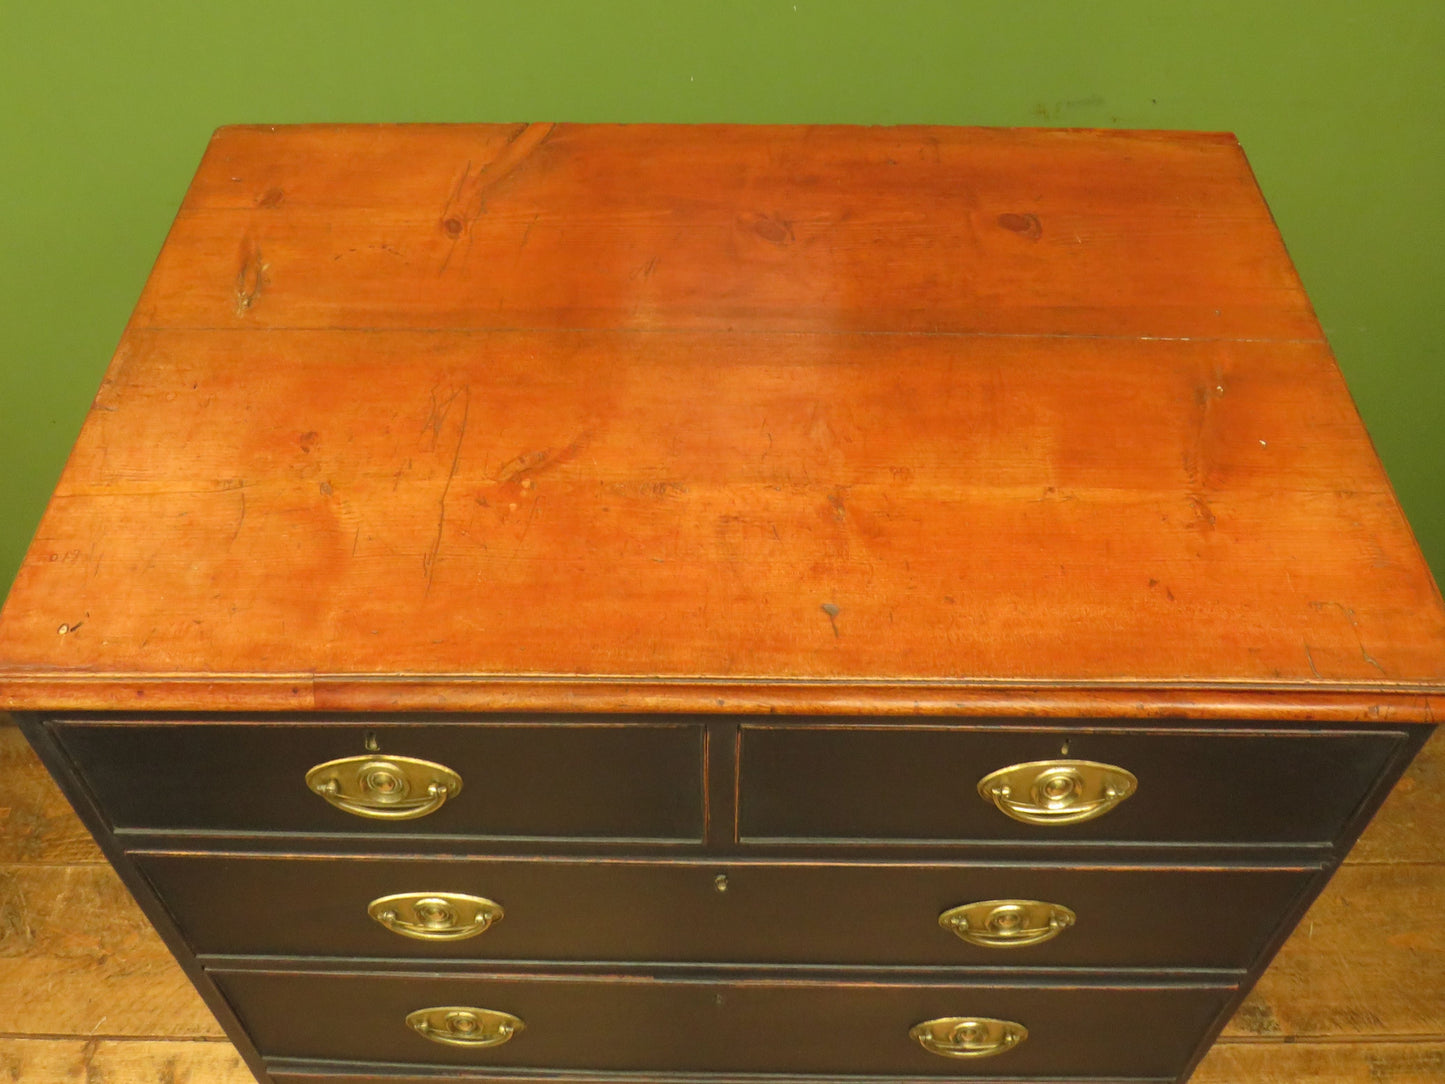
(1057, 791)
(463, 1025)
(1007, 923)
(968, 1036)
(435, 916)
(384, 788)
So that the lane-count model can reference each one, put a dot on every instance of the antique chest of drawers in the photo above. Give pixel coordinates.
(602, 603)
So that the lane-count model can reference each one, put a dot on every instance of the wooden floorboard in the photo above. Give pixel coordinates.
(111, 1061)
(1410, 827)
(1367, 961)
(36, 822)
(1417, 1062)
(77, 957)
(88, 993)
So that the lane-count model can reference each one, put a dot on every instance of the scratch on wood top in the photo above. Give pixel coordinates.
(438, 416)
(468, 198)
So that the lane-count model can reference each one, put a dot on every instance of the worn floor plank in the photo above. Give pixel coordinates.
(36, 822)
(1323, 1063)
(1411, 824)
(1367, 961)
(78, 958)
(104, 1061)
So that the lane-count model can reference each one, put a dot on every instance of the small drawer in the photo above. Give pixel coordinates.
(866, 914)
(554, 780)
(625, 1024)
(921, 783)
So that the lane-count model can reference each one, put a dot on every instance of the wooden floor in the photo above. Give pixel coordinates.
(88, 993)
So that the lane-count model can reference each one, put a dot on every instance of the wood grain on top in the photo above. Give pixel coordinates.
(820, 418)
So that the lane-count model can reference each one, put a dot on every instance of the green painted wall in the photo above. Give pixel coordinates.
(105, 108)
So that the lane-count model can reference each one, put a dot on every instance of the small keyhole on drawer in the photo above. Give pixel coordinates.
(720, 882)
(372, 745)
(1064, 749)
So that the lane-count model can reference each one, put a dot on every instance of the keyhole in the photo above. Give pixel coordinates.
(372, 745)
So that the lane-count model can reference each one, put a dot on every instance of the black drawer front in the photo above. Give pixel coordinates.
(644, 1024)
(634, 911)
(295, 1071)
(554, 780)
(904, 783)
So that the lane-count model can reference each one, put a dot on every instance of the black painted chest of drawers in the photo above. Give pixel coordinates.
(720, 604)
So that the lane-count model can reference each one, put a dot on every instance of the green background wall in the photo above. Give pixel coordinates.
(105, 109)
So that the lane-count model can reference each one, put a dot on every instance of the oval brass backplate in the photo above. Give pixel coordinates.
(968, 1036)
(435, 916)
(1007, 923)
(464, 1025)
(384, 787)
(1056, 792)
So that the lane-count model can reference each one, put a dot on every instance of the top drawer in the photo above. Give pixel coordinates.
(920, 783)
(562, 780)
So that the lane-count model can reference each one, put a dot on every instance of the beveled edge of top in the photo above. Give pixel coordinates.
(1279, 703)
(1216, 135)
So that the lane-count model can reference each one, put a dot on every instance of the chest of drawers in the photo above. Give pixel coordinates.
(723, 604)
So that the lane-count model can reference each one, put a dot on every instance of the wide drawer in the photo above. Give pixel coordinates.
(743, 913)
(290, 1071)
(637, 1024)
(545, 780)
(920, 783)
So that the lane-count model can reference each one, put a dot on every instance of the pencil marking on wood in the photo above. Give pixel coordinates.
(527, 526)
(438, 416)
(528, 231)
(240, 519)
(1355, 627)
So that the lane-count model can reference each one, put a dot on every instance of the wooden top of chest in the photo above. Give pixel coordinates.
(724, 418)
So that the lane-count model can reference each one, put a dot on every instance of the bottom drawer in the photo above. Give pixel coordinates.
(641, 1024)
(329, 1073)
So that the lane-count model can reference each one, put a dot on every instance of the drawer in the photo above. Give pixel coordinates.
(766, 913)
(920, 783)
(620, 1023)
(546, 780)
